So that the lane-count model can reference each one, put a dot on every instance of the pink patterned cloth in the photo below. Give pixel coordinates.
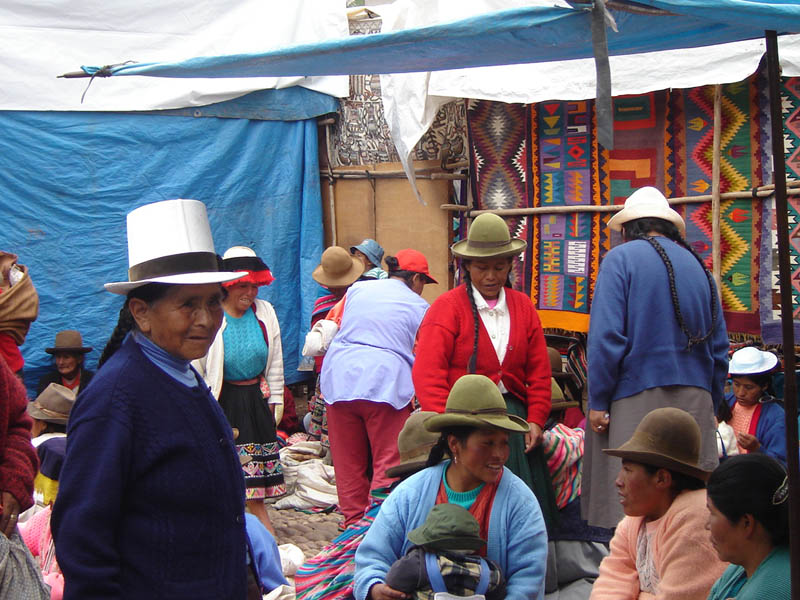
(563, 449)
(36, 534)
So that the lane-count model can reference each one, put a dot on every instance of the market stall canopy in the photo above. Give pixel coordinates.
(520, 35)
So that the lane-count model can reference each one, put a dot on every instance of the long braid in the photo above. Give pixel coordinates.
(473, 359)
(124, 325)
(671, 232)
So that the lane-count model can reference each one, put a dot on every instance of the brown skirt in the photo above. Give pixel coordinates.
(599, 500)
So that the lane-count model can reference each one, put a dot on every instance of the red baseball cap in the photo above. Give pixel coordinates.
(415, 261)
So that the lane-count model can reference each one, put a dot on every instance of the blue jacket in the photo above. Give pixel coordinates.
(770, 429)
(517, 535)
(151, 495)
(635, 342)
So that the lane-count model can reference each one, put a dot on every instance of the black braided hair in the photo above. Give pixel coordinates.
(125, 323)
(395, 271)
(473, 359)
(442, 448)
(640, 229)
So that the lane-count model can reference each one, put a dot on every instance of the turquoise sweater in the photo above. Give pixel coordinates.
(771, 580)
(517, 536)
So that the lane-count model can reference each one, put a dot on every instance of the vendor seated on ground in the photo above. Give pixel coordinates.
(749, 525)
(68, 356)
(370, 253)
(661, 548)
(444, 559)
(753, 412)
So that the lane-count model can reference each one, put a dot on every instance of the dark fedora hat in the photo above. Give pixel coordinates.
(668, 438)
(68, 340)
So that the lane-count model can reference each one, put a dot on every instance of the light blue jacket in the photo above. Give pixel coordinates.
(517, 535)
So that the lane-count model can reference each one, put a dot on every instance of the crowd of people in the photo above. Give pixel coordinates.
(455, 477)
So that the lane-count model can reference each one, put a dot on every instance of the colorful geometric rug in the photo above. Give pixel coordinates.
(498, 135)
(565, 171)
(689, 156)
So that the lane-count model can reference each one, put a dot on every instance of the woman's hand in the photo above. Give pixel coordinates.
(381, 591)
(533, 438)
(599, 420)
(8, 519)
(748, 442)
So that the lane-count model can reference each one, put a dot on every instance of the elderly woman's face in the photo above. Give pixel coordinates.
(637, 490)
(240, 296)
(726, 537)
(184, 322)
(68, 363)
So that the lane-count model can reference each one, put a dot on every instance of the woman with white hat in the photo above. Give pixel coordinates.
(151, 494)
(483, 326)
(656, 338)
(757, 418)
(244, 369)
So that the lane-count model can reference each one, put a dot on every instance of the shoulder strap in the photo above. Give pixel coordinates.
(483, 583)
(434, 573)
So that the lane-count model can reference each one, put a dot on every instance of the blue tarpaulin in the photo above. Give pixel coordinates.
(521, 35)
(69, 178)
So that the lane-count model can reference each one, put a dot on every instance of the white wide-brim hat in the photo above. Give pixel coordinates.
(170, 242)
(647, 202)
(751, 361)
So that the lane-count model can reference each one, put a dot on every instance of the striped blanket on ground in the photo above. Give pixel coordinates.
(329, 574)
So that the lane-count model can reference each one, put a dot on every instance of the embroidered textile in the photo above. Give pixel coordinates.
(498, 136)
(263, 475)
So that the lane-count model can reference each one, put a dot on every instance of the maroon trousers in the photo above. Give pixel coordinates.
(360, 430)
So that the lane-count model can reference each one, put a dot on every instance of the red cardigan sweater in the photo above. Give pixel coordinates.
(445, 342)
(18, 459)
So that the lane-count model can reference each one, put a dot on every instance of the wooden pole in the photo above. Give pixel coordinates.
(765, 191)
(787, 320)
(716, 254)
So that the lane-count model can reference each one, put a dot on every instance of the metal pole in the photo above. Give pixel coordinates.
(787, 322)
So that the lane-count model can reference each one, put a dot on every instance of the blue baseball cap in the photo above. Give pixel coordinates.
(371, 249)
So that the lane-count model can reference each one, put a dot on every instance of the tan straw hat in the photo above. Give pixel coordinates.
(668, 438)
(337, 268)
(475, 401)
(488, 237)
(68, 340)
(53, 404)
(647, 202)
(414, 444)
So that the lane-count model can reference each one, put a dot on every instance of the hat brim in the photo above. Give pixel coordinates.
(34, 412)
(348, 278)
(123, 287)
(632, 213)
(511, 423)
(406, 468)
(373, 258)
(417, 537)
(765, 367)
(462, 249)
(659, 460)
(76, 349)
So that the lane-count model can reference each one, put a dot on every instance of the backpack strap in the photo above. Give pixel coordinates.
(483, 583)
(434, 573)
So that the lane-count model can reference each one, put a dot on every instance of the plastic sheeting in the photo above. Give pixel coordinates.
(68, 180)
(41, 40)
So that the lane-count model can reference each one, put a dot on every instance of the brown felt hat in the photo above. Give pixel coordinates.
(68, 340)
(53, 405)
(668, 438)
(414, 444)
(337, 268)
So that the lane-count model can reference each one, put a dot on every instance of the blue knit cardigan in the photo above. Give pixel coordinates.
(517, 535)
(151, 496)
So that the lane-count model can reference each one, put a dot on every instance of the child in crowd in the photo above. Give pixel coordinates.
(444, 559)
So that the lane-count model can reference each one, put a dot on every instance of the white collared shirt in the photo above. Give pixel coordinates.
(497, 322)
